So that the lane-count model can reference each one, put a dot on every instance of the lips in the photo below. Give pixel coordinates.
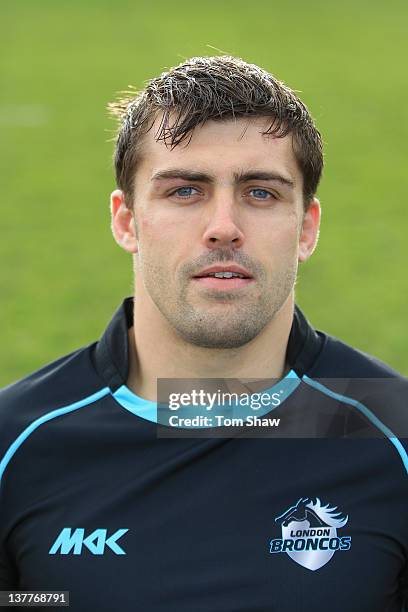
(226, 268)
(220, 285)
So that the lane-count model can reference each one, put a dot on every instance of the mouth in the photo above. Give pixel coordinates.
(223, 278)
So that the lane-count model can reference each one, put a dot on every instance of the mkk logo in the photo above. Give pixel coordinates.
(309, 533)
(73, 540)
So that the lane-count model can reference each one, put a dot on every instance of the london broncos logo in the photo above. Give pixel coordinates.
(309, 533)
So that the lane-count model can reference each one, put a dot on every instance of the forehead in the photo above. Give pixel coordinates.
(222, 148)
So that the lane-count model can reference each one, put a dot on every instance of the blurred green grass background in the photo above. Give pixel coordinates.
(62, 275)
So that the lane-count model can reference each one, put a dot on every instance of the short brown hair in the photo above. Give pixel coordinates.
(216, 88)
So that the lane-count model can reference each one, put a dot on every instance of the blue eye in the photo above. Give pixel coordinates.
(184, 192)
(260, 194)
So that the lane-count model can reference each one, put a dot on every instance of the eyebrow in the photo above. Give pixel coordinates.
(239, 177)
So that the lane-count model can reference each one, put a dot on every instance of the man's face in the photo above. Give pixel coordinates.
(229, 197)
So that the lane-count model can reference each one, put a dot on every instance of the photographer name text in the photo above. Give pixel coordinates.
(221, 421)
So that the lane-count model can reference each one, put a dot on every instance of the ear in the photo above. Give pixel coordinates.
(310, 230)
(123, 223)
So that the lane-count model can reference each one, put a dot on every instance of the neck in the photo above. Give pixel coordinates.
(157, 352)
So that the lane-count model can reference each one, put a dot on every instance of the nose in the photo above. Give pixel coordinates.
(222, 229)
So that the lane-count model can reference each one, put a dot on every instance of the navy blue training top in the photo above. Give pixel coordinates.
(310, 515)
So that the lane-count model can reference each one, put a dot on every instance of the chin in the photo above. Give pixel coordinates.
(217, 339)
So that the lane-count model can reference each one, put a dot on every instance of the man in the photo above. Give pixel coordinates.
(105, 495)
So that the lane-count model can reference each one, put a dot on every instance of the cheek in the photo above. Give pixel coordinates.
(280, 239)
(146, 225)
(291, 233)
(160, 240)
(159, 227)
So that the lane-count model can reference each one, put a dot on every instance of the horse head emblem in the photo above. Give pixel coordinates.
(309, 533)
